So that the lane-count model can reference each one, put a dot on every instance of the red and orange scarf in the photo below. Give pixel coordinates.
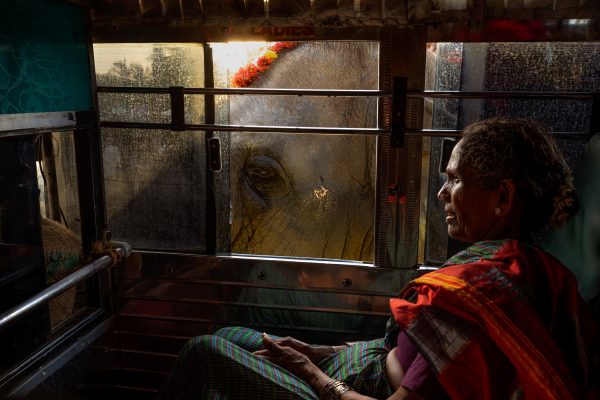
(500, 318)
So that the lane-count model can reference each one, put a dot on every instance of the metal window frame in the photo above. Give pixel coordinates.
(177, 93)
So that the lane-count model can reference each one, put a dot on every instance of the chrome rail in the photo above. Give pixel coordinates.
(56, 289)
(248, 91)
(247, 128)
(540, 95)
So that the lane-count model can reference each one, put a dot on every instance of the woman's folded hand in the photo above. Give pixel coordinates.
(279, 352)
(315, 353)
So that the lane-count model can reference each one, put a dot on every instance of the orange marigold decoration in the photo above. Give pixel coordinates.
(251, 72)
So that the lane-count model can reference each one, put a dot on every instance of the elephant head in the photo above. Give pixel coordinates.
(301, 194)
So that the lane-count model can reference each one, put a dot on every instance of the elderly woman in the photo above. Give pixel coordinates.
(501, 320)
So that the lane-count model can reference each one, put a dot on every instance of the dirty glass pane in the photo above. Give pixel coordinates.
(149, 64)
(127, 107)
(158, 65)
(155, 188)
(293, 194)
(547, 67)
(155, 181)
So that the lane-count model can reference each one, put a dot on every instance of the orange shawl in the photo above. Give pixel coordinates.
(498, 319)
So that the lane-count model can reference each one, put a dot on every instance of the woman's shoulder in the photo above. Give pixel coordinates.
(520, 263)
(479, 251)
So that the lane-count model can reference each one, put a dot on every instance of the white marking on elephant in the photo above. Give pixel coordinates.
(320, 192)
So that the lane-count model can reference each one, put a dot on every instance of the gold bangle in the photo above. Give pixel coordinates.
(333, 390)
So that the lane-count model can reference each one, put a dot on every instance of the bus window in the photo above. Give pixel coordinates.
(278, 193)
(154, 178)
(304, 195)
(530, 68)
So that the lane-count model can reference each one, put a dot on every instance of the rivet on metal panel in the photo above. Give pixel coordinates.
(347, 282)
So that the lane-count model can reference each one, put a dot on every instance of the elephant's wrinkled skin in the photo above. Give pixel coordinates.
(307, 195)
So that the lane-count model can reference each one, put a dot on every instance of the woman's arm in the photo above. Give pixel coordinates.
(301, 365)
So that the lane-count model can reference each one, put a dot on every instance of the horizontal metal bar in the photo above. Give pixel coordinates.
(27, 121)
(458, 133)
(250, 91)
(253, 285)
(36, 131)
(226, 303)
(499, 95)
(312, 129)
(248, 128)
(59, 287)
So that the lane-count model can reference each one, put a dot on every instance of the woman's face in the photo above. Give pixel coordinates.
(469, 207)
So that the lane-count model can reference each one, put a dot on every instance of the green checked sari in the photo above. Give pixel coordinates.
(222, 366)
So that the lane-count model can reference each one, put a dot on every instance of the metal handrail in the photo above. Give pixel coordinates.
(248, 91)
(455, 94)
(247, 128)
(56, 289)
(353, 93)
(458, 133)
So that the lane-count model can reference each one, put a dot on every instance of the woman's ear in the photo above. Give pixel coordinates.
(506, 197)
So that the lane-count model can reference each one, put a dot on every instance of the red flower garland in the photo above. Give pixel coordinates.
(251, 72)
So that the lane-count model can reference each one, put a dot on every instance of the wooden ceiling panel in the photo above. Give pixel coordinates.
(289, 8)
(223, 9)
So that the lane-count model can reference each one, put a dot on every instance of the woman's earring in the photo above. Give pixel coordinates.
(497, 210)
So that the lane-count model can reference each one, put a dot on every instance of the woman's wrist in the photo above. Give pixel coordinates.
(318, 379)
(333, 390)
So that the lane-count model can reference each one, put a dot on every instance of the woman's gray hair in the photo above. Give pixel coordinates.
(520, 150)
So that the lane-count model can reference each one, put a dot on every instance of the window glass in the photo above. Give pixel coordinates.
(21, 258)
(277, 194)
(302, 195)
(155, 187)
(155, 181)
(543, 67)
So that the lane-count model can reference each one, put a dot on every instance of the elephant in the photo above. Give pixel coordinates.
(307, 195)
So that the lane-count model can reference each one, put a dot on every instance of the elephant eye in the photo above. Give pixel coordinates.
(266, 176)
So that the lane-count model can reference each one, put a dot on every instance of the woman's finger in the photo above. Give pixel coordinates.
(270, 344)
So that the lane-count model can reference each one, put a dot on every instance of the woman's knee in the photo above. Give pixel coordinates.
(199, 346)
(229, 331)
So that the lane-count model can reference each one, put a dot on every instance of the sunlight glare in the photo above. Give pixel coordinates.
(234, 55)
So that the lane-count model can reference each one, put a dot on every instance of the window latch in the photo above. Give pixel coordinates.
(214, 154)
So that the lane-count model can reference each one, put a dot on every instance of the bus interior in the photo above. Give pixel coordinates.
(172, 167)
